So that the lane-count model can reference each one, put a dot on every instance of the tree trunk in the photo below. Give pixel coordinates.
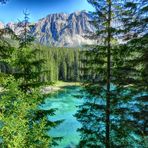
(108, 77)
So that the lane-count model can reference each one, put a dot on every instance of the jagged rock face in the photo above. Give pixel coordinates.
(62, 30)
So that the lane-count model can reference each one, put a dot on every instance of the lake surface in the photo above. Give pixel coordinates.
(66, 102)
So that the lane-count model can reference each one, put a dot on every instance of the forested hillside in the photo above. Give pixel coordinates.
(59, 63)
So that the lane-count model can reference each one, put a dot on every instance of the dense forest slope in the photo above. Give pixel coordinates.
(62, 30)
(59, 63)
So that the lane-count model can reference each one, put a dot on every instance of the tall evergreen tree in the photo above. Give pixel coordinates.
(26, 92)
(136, 38)
(28, 67)
(103, 22)
(106, 114)
(6, 51)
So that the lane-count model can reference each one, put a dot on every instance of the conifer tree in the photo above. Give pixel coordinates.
(106, 114)
(103, 18)
(136, 38)
(6, 50)
(28, 68)
(34, 118)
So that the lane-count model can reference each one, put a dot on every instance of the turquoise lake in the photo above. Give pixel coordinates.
(66, 102)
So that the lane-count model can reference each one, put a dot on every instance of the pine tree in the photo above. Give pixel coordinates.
(6, 50)
(136, 38)
(26, 92)
(106, 114)
(104, 19)
(28, 68)
(29, 71)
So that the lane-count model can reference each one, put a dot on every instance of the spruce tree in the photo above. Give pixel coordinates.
(28, 67)
(108, 75)
(26, 92)
(136, 38)
(103, 19)
(6, 50)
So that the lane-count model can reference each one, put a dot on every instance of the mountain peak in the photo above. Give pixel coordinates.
(62, 29)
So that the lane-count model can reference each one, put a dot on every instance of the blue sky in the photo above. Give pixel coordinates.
(13, 10)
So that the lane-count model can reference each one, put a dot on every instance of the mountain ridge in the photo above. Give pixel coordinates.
(61, 29)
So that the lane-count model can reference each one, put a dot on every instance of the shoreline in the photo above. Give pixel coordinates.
(58, 86)
(55, 87)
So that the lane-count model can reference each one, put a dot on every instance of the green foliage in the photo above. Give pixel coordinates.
(111, 114)
(137, 47)
(18, 109)
(23, 122)
(6, 51)
(61, 63)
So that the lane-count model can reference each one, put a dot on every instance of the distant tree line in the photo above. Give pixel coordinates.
(61, 64)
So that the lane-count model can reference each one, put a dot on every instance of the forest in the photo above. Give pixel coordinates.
(112, 76)
(59, 63)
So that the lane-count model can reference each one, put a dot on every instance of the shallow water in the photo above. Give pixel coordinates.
(66, 102)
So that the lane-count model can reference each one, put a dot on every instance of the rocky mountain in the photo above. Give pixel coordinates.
(61, 29)
(64, 29)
